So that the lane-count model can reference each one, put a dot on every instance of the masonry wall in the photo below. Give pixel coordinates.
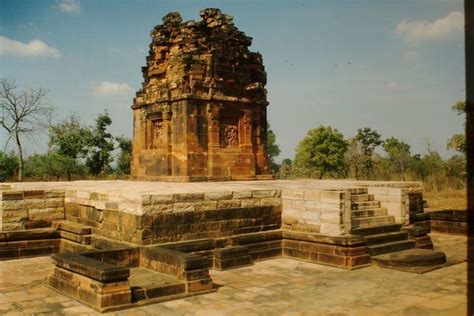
(157, 218)
(174, 217)
(317, 211)
(28, 209)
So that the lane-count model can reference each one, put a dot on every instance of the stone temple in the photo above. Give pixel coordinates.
(200, 116)
(201, 113)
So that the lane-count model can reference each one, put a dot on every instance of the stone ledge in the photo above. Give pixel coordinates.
(94, 269)
(348, 241)
(32, 234)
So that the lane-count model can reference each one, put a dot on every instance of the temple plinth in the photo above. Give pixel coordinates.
(201, 112)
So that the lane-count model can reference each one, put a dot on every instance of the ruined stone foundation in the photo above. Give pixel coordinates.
(201, 112)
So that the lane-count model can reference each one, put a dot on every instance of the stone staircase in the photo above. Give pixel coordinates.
(379, 229)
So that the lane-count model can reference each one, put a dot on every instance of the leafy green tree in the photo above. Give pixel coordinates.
(285, 169)
(273, 150)
(8, 165)
(354, 159)
(382, 169)
(123, 162)
(459, 107)
(398, 154)
(101, 146)
(47, 167)
(70, 139)
(458, 141)
(321, 152)
(418, 168)
(369, 139)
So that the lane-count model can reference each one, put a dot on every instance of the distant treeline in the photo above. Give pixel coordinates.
(75, 152)
(325, 153)
(78, 151)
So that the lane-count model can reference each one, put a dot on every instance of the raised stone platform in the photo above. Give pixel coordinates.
(181, 230)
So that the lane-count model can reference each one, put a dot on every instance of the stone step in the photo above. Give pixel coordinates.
(369, 213)
(148, 285)
(364, 222)
(17, 253)
(74, 228)
(362, 197)
(365, 205)
(386, 238)
(231, 257)
(82, 239)
(367, 231)
(389, 247)
(357, 191)
(413, 260)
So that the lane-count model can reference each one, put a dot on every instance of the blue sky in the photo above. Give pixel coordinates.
(394, 66)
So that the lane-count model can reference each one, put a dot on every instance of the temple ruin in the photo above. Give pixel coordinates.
(201, 112)
(200, 116)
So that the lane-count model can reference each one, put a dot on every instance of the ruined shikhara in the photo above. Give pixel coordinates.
(201, 113)
(201, 116)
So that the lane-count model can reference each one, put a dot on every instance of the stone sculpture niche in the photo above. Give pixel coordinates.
(201, 112)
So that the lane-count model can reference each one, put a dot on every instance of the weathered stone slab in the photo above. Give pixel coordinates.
(94, 269)
(73, 228)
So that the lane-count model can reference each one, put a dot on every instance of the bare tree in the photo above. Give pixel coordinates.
(22, 114)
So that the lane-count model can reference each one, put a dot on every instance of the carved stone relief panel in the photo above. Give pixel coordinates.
(157, 133)
(229, 136)
(229, 129)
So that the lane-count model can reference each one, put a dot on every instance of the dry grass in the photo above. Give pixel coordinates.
(446, 199)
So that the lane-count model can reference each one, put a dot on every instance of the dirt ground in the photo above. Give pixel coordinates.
(446, 199)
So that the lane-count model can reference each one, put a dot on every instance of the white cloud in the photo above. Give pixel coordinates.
(107, 88)
(443, 28)
(410, 55)
(69, 6)
(34, 48)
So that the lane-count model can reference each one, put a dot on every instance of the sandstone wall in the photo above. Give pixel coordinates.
(152, 219)
(25, 209)
(317, 211)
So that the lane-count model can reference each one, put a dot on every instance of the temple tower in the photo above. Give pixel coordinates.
(201, 112)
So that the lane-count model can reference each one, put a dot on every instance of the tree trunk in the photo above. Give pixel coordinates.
(20, 156)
